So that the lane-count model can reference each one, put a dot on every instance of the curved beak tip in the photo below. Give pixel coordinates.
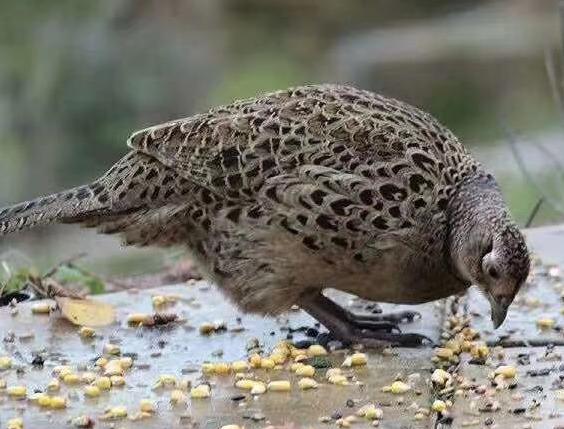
(499, 313)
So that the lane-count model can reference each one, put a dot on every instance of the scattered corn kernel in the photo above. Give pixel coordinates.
(279, 386)
(398, 387)
(255, 360)
(103, 383)
(139, 319)
(112, 349)
(3, 384)
(92, 391)
(220, 368)
(258, 388)
(546, 323)
(201, 391)
(444, 353)
(41, 308)
(439, 406)
(117, 380)
(267, 363)
(316, 350)
(159, 300)
(5, 363)
(126, 362)
(305, 371)
(240, 366)
(480, 350)
(71, 378)
(147, 406)
(115, 413)
(307, 383)
(508, 371)
(357, 359)
(53, 385)
(245, 384)
(177, 397)
(370, 412)
(87, 377)
(16, 423)
(440, 377)
(43, 400)
(113, 367)
(17, 392)
(101, 362)
(166, 380)
(57, 402)
(86, 332)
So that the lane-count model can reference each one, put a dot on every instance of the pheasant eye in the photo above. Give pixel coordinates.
(493, 273)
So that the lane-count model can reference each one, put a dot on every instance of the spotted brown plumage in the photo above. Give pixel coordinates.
(327, 186)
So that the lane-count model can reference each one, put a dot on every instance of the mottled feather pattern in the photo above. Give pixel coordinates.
(327, 174)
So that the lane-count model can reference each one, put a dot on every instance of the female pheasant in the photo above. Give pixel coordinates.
(325, 186)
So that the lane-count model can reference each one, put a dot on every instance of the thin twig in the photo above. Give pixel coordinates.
(536, 209)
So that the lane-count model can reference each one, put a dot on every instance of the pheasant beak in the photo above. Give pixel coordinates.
(499, 308)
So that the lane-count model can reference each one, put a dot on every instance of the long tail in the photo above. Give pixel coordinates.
(138, 197)
(66, 206)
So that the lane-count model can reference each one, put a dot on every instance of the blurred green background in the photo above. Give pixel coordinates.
(77, 77)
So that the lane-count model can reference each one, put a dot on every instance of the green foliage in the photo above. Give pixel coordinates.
(16, 281)
(69, 274)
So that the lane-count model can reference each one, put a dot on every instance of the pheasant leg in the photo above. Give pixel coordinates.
(349, 328)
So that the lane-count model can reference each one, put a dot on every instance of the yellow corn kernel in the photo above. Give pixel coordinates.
(3, 384)
(201, 391)
(370, 412)
(245, 384)
(166, 380)
(87, 377)
(101, 362)
(546, 323)
(305, 371)
(220, 368)
(117, 380)
(397, 387)
(297, 352)
(16, 423)
(147, 406)
(17, 392)
(508, 371)
(444, 353)
(43, 400)
(267, 363)
(258, 388)
(479, 350)
(113, 367)
(115, 413)
(41, 308)
(103, 383)
(112, 349)
(5, 363)
(71, 378)
(53, 385)
(255, 360)
(316, 350)
(279, 386)
(439, 406)
(440, 377)
(177, 397)
(86, 332)
(92, 391)
(356, 359)
(240, 366)
(57, 402)
(158, 300)
(126, 362)
(307, 383)
(139, 319)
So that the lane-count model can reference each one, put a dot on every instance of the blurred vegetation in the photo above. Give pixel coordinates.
(77, 77)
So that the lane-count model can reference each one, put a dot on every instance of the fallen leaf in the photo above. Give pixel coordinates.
(86, 312)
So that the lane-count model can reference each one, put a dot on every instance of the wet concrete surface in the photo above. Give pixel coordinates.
(180, 349)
